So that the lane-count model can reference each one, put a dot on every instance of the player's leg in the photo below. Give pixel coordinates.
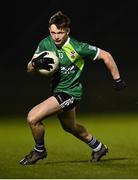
(35, 117)
(38, 113)
(69, 124)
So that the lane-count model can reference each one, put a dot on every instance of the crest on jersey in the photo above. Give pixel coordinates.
(72, 54)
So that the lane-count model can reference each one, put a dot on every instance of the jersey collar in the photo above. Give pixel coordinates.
(67, 41)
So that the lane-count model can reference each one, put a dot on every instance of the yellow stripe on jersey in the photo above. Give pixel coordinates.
(73, 56)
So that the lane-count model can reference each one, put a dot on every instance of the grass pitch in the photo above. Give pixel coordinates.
(67, 156)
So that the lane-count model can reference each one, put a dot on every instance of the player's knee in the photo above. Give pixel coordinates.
(31, 119)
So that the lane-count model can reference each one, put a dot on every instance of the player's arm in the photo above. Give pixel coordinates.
(37, 59)
(111, 65)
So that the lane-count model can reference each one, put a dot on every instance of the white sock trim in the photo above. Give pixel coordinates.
(39, 145)
(98, 147)
(38, 150)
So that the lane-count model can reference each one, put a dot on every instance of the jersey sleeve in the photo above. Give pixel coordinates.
(89, 51)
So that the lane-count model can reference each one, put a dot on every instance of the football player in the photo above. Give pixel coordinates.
(66, 87)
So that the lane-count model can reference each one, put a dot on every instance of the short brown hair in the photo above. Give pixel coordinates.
(60, 20)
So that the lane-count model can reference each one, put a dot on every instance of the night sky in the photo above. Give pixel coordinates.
(109, 25)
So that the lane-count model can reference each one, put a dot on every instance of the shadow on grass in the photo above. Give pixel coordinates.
(85, 161)
(114, 159)
(64, 162)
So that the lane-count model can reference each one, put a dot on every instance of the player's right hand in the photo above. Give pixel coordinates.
(42, 62)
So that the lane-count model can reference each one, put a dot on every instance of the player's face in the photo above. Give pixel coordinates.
(59, 36)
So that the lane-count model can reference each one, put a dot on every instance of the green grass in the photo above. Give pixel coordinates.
(68, 157)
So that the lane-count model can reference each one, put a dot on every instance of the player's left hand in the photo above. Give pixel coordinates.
(119, 84)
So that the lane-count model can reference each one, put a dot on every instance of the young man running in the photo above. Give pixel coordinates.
(66, 87)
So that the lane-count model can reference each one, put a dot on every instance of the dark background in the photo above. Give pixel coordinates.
(108, 25)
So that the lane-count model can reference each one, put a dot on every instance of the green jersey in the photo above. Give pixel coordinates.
(71, 58)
